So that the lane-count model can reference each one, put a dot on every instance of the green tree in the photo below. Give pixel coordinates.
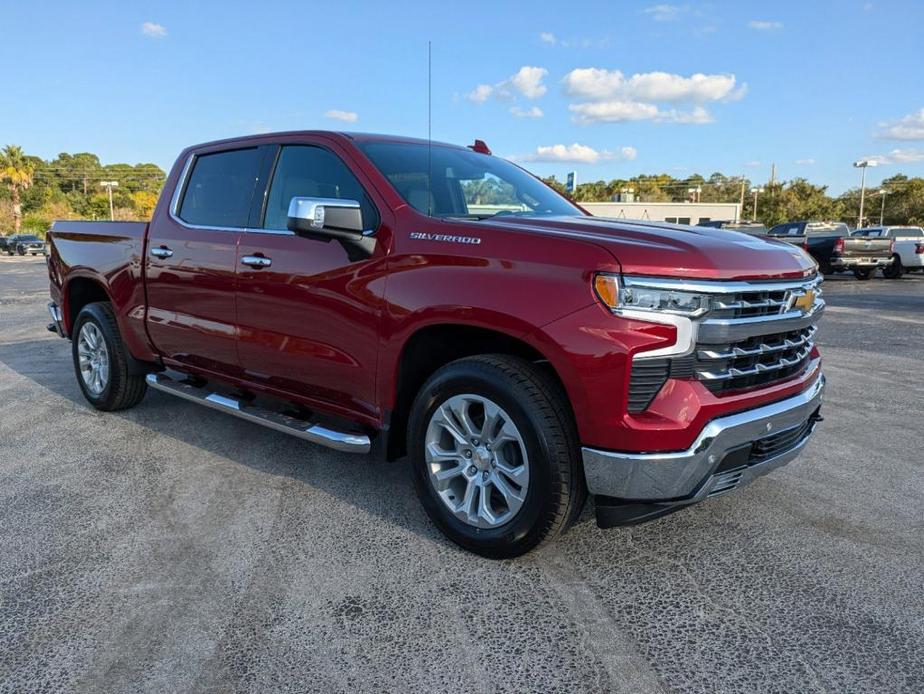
(16, 171)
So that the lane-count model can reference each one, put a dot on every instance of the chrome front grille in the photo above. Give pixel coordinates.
(756, 361)
(755, 334)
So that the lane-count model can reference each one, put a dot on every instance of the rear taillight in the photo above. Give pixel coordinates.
(839, 246)
(919, 248)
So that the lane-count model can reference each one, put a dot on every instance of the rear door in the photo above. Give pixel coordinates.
(309, 311)
(192, 259)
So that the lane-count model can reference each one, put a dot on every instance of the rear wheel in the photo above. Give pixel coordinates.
(101, 360)
(895, 270)
(865, 273)
(495, 455)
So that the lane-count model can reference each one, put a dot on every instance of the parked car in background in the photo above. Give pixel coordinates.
(907, 247)
(25, 243)
(5, 245)
(832, 247)
(752, 228)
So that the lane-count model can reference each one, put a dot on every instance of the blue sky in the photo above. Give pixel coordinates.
(610, 89)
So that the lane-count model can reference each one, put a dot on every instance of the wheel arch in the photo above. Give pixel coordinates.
(431, 347)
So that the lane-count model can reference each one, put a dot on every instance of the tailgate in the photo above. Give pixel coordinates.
(862, 247)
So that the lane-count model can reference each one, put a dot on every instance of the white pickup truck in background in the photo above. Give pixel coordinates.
(908, 249)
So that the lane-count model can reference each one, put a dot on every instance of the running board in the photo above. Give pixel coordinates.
(338, 440)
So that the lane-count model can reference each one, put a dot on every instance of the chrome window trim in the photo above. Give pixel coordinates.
(179, 193)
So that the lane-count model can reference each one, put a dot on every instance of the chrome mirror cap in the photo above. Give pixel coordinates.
(316, 215)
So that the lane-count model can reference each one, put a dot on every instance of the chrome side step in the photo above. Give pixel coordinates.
(338, 440)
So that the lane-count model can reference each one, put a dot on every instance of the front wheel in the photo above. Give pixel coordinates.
(21, 250)
(865, 273)
(101, 360)
(495, 455)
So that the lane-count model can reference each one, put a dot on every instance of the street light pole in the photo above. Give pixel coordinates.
(864, 164)
(883, 192)
(756, 191)
(109, 185)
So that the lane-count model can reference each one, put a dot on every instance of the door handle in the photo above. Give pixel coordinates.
(161, 252)
(256, 261)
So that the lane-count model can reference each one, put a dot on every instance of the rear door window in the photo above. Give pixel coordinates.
(220, 188)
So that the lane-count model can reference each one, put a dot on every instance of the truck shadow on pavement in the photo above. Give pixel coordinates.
(172, 425)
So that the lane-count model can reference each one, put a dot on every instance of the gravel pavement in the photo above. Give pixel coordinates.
(173, 548)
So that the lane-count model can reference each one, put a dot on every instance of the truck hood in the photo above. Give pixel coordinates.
(672, 250)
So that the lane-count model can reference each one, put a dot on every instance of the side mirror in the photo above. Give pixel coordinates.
(325, 217)
(332, 218)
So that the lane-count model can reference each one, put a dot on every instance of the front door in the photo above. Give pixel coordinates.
(192, 261)
(308, 312)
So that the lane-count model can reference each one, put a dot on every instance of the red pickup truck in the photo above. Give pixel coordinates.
(390, 295)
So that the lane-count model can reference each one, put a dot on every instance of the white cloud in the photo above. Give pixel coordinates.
(910, 127)
(628, 111)
(534, 112)
(345, 116)
(611, 97)
(898, 156)
(752, 164)
(480, 94)
(578, 154)
(764, 25)
(599, 84)
(527, 82)
(548, 37)
(154, 30)
(664, 12)
(805, 162)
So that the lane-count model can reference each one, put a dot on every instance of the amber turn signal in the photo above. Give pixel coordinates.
(607, 288)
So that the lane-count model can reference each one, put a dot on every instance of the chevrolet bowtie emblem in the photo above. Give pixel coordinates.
(804, 302)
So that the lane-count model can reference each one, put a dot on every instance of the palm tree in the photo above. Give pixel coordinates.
(16, 171)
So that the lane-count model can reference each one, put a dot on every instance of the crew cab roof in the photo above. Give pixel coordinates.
(336, 134)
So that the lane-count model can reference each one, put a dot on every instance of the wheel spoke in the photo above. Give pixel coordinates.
(465, 419)
(469, 501)
(493, 422)
(484, 505)
(518, 474)
(447, 421)
(508, 492)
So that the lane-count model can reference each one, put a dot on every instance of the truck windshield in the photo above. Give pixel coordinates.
(463, 183)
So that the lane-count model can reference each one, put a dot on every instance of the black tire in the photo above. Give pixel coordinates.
(864, 274)
(123, 390)
(540, 411)
(825, 268)
(895, 270)
(21, 250)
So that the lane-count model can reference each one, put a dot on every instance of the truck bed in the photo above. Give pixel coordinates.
(110, 254)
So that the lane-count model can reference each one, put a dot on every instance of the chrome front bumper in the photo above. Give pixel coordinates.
(718, 461)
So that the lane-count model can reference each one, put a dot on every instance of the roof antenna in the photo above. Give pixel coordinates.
(429, 125)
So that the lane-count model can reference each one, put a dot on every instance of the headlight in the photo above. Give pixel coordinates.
(623, 296)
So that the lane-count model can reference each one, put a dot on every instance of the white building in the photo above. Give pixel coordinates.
(677, 212)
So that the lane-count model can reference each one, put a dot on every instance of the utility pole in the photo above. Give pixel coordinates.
(109, 185)
(864, 164)
(883, 192)
(741, 202)
(756, 191)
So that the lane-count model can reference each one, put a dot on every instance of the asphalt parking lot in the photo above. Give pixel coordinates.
(172, 548)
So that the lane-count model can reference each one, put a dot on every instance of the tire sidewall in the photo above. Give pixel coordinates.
(93, 313)
(457, 379)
